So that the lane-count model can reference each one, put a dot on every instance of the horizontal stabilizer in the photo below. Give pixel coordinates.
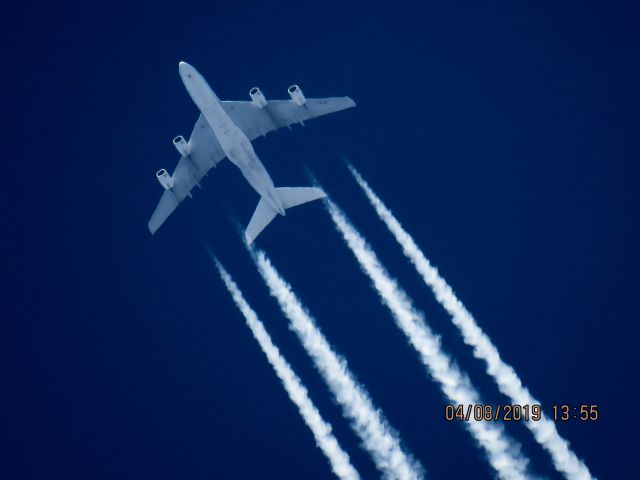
(290, 197)
(294, 196)
(261, 218)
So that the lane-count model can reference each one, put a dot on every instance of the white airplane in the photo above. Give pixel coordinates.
(226, 129)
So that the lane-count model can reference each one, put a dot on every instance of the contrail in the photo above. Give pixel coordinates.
(502, 452)
(298, 394)
(377, 436)
(504, 375)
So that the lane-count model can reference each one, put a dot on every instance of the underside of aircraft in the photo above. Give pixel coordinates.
(225, 129)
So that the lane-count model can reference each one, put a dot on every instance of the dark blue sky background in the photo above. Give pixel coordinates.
(504, 135)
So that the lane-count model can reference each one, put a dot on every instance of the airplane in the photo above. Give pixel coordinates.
(226, 129)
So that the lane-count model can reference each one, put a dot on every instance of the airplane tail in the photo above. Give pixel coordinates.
(290, 197)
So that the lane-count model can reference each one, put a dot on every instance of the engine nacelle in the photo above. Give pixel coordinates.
(296, 95)
(165, 179)
(181, 145)
(257, 98)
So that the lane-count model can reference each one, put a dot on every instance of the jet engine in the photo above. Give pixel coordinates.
(181, 145)
(257, 98)
(296, 95)
(165, 179)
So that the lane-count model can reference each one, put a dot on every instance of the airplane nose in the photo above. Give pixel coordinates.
(184, 68)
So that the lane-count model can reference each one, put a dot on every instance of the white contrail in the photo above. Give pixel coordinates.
(368, 422)
(298, 394)
(505, 376)
(502, 452)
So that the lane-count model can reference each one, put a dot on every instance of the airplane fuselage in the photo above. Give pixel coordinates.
(232, 140)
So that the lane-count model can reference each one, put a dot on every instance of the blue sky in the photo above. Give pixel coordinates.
(502, 135)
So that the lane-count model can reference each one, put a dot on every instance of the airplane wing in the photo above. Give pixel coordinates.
(255, 121)
(205, 154)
